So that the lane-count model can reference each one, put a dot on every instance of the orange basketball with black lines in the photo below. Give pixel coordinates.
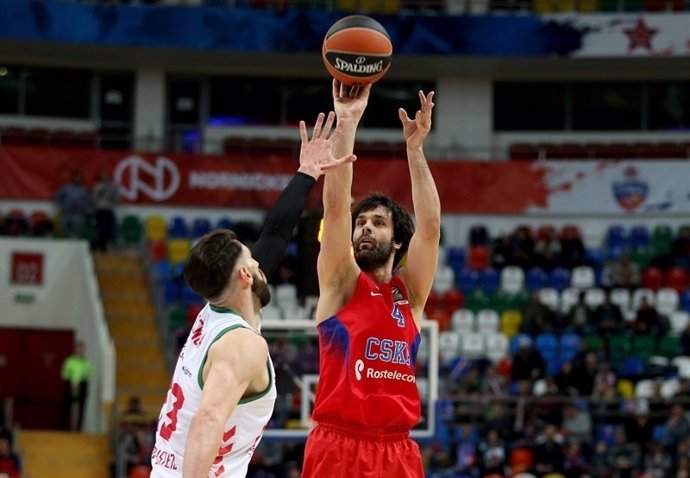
(357, 50)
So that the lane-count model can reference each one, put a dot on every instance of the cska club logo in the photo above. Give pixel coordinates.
(631, 192)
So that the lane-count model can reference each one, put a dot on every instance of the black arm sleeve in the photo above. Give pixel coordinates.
(272, 243)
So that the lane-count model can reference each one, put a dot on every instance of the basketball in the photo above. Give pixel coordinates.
(357, 50)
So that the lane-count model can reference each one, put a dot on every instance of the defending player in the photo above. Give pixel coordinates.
(223, 389)
(369, 311)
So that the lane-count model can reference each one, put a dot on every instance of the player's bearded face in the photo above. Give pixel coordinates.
(370, 253)
(260, 290)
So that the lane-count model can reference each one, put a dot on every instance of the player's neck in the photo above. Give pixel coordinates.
(243, 304)
(380, 275)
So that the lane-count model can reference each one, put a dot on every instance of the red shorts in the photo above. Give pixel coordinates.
(334, 452)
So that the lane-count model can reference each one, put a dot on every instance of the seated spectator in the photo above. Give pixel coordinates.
(548, 453)
(465, 453)
(10, 466)
(537, 317)
(547, 250)
(648, 321)
(497, 419)
(680, 248)
(573, 252)
(135, 435)
(576, 463)
(625, 273)
(640, 429)
(493, 383)
(682, 395)
(527, 425)
(492, 455)
(566, 380)
(685, 341)
(580, 317)
(606, 275)
(608, 317)
(521, 252)
(605, 399)
(577, 423)
(528, 364)
(676, 429)
(500, 252)
(585, 371)
(623, 457)
(656, 461)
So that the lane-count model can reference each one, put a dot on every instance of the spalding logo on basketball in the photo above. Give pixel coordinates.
(357, 50)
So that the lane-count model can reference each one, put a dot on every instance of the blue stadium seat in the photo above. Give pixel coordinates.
(200, 227)
(639, 237)
(456, 258)
(559, 278)
(536, 279)
(189, 297)
(489, 280)
(546, 343)
(569, 345)
(631, 367)
(684, 301)
(467, 280)
(606, 434)
(225, 223)
(171, 292)
(517, 340)
(615, 238)
(178, 228)
(161, 270)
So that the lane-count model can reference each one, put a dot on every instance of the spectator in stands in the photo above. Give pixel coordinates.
(623, 456)
(639, 428)
(606, 276)
(680, 248)
(537, 317)
(466, 453)
(135, 436)
(676, 429)
(572, 249)
(547, 250)
(580, 317)
(76, 375)
(608, 317)
(577, 423)
(493, 383)
(576, 463)
(599, 461)
(625, 273)
(521, 248)
(528, 364)
(500, 251)
(656, 462)
(497, 419)
(585, 371)
(548, 452)
(105, 196)
(649, 321)
(682, 395)
(492, 454)
(10, 465)
(685, 341)
(72, 201)
(566, 380)
(527, 425)
(605, 397)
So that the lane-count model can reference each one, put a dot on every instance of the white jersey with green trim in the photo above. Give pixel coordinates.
(244, 428)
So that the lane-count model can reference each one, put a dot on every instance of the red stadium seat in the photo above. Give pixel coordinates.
(432, 302)
(652, 278)
(453, 300)
(479, 257)
(677, 278)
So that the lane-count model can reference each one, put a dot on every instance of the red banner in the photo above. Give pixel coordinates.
(227, 181)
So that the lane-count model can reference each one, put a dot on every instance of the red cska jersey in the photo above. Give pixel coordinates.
(367, 360)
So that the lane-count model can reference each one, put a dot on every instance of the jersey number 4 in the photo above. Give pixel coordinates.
(397, 315)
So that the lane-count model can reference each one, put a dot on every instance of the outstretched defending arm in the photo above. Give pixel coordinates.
(316, 158)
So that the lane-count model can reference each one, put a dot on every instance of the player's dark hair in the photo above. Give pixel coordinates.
(403, 226)
(211, 261)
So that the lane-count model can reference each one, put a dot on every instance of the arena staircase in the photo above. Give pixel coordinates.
(141, 366)
(58, 454)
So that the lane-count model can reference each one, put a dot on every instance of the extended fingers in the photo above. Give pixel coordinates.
(337, 162)
(317, 127)
(303, 132)
(329, 124)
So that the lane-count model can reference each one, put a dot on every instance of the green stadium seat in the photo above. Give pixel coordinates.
(668, 346)
(131, 229)
(643, 346)
(662, 236)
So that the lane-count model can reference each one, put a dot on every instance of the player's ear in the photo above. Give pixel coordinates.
(245, 274)
(397, 245)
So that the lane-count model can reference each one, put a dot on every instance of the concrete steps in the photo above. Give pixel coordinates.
(57, 454)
